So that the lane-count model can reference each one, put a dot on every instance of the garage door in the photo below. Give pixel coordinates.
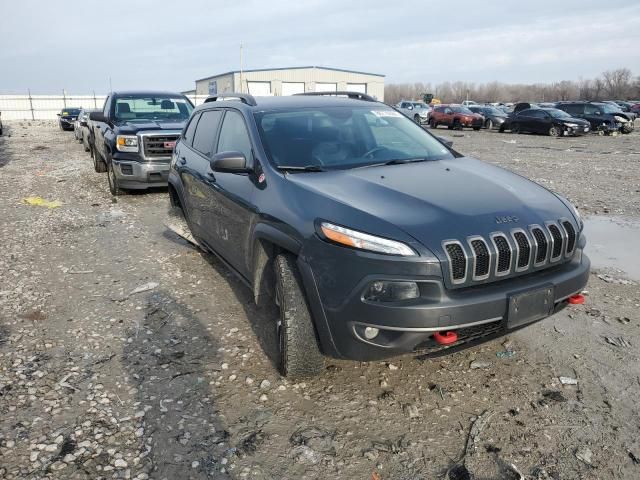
(357, 87)
(291, 88)
(259, 89)
(326, 87)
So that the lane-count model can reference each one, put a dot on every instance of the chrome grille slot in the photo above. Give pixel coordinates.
(158, 145)
(524, 250)
(457, 262)
(571, 236)
(503, 263)
(541, 241)
(481, 258)
(556, 237)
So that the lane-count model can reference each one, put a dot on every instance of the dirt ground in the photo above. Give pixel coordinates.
(127, 353)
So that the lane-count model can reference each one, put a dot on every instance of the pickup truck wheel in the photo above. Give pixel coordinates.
(98, 163)
(300, 355)
(113, 181)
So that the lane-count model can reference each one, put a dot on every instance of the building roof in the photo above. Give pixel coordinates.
(290, 68)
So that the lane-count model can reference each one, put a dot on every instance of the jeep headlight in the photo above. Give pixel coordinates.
(364, 241)
(127, 143)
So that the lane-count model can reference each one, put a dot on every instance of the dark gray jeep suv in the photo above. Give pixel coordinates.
(373, 237)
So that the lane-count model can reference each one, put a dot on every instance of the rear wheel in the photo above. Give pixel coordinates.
(555, 131)
(515, 128)
(457, 125)
(488, 124)
(300, 355)
(98, 163)
(433, 123)
(416, 118)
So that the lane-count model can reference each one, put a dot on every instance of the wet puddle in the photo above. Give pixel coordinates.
(612, 242)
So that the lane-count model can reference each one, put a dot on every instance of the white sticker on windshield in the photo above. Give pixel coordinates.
(386, 113)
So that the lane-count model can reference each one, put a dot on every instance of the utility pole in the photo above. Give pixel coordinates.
(31, 105)
(64, 98)
(240, 67)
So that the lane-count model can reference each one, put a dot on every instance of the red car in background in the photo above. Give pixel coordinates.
(455, 117)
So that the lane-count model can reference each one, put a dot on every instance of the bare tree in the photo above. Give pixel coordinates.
(617, 82)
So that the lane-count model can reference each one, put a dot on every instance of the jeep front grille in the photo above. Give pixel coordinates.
(519, 251)
(156, 146)
(457, 261)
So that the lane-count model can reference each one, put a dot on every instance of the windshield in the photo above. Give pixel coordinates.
(555, 113)
(152, 108)
(493, 111)
(608, 108)
(344, 137)
(70, 111)
(462, 110)
(420, 105)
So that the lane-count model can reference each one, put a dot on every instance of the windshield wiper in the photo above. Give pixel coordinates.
(398, 161)
(306, 168)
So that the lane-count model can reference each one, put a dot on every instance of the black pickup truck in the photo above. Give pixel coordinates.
(134, 136)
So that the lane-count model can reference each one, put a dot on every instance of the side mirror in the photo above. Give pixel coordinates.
(446, 141)
(98, 117)
(57, 114)
(231, 162)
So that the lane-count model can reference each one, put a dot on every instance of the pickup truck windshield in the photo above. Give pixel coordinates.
(131, 108)
(344, 137)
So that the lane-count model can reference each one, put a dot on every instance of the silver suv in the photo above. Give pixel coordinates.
(418, 111)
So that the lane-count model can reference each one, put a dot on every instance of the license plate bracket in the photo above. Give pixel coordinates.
(529, 306)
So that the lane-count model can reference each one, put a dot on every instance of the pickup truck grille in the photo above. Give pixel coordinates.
(158, 146)
(507, 254)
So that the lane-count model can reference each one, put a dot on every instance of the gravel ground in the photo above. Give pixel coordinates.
(127, 353)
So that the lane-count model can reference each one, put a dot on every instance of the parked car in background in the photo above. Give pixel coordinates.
(134, 136)
(455, 117)
(67, 118)
(0, 123)
(604, 119)
(370, 236)
(548, 121)
(85, 129)
(418, 111)
(466, 103)
(493, 117)
(83, 114)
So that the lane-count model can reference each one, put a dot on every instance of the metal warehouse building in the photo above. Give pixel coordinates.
(288, 81)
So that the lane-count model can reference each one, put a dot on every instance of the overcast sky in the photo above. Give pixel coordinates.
(49, 45)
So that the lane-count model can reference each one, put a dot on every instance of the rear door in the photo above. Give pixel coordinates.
(538, 121)
(193, 160)
(228, 197)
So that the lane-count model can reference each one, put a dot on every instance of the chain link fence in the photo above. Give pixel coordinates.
(46, 107)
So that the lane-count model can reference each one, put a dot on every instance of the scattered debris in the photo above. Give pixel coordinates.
(506, 354)
(584, 454)
(143, 288)
(41, 202)
(568, 381)
(618, 342)
(476, 364)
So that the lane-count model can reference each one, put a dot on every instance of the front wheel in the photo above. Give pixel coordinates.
(416, 118)
(488, 124)
(300, 355)
(433, 124)
(555, 131)
(113, 180)
(515, 128)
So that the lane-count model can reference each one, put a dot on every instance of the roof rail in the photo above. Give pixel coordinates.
(354, 95)
(245, 98)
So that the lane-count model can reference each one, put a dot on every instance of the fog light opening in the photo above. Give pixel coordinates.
(391, 291)
(371, 332)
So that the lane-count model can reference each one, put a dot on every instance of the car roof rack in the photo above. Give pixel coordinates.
(245, 98)
(353, 95)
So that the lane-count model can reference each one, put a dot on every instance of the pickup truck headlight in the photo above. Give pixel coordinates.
(127, 143)
(364, 241)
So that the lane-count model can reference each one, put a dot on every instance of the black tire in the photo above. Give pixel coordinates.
(113, 181)
(99, 164)
(515, 128)
(456, 125)
(416, 118)
(488, 124)
(475, 129)
(555, 131)
(300, 355)
(433, 124)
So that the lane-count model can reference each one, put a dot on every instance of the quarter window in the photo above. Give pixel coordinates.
(206, 131)
(234, 136)
(188, 134)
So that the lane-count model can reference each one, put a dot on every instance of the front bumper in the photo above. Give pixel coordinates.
(576, 131)
(140, 175)
(478, 313)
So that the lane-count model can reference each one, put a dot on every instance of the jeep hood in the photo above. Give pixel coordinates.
(438, 200)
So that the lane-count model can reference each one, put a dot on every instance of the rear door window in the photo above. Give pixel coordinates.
(234, 136)
(206, 130)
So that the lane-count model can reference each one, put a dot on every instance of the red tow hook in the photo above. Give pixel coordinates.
(576, 299)
(445, 338)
